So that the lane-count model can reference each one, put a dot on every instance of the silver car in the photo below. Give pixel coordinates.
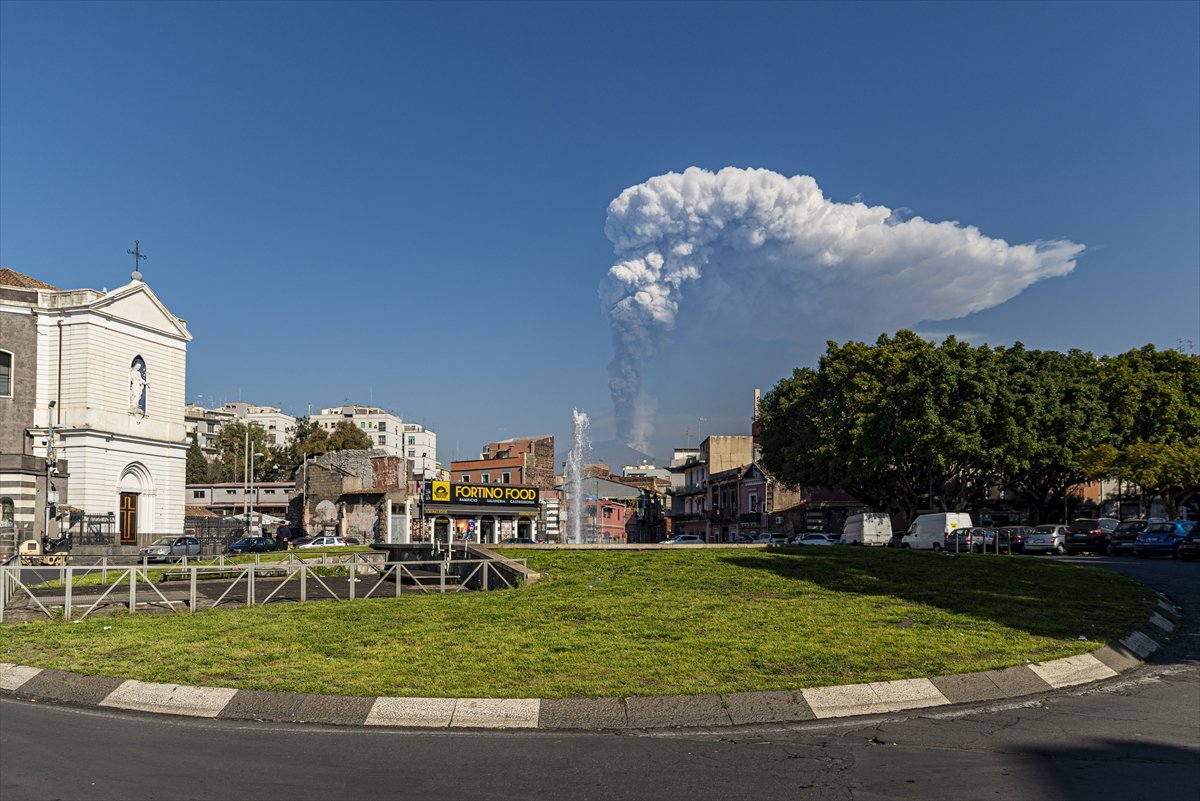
(165, 549)
(1048, 538)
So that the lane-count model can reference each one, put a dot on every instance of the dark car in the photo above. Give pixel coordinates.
(253, 545)
(1090, 534)
(1123, 537)
(1160, 539)
(1189, 549)
(1012, 539)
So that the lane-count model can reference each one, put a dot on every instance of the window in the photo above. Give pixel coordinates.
(383, 426)
(7, 519)
(198, 493)
(382, 439)
(483, 478)
(412, 440)
(6, 371)
(753, 503)
(506, 477)
(412, 452)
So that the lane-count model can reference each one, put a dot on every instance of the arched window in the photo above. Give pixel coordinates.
(7, 519)
(138, 385)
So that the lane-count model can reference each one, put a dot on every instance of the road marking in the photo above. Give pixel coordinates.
(13, 676)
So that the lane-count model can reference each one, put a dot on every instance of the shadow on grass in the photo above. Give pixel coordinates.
(1039, 597)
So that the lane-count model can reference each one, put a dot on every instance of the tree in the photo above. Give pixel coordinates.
(197, 465)
(899, 424)
(347, 437)
(1152, 396)
(231, 461)
(1054, 412)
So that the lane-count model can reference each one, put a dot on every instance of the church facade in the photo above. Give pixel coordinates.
(96, 408)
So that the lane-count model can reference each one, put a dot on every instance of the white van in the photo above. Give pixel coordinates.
(869, 528)
(929, 531)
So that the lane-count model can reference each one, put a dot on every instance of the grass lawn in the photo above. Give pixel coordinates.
(659, 622)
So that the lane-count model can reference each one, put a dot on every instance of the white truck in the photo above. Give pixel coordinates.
(868, 528)
(928, 532)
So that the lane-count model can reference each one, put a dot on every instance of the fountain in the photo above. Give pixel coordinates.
(580, 453)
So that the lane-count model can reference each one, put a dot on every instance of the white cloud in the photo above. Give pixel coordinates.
(777, 250)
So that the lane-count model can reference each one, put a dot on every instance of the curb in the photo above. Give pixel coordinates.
(595, 714)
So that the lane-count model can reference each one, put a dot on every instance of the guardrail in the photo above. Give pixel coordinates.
(177, 587)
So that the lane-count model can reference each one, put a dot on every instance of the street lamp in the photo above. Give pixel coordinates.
(51, 467)
(250, 522)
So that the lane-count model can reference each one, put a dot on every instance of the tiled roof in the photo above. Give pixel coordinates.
(13, 278)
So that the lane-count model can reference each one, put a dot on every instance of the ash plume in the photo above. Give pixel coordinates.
(756, 243)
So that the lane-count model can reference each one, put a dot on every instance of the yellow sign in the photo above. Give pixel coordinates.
(481, 494)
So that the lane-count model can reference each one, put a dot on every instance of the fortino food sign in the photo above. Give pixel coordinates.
(480, 494)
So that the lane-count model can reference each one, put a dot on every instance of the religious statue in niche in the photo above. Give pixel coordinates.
(137, 386)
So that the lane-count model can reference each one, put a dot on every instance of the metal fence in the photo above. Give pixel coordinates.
(196, 584)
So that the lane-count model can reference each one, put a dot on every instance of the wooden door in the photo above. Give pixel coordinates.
(129, 528)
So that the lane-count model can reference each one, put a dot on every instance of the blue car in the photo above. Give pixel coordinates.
(1161, 539)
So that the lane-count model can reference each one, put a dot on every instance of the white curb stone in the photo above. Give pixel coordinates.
(421, 712)
(1162, 622)
(1072, 670)
(496, 713)
(909, 694)
(843, 701)
(13, 676)
(1140, 644)
(172, 699)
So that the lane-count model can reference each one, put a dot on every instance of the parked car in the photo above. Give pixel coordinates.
(1162, 538)
(254, 545)
(964, 540)
(867, 528)
(324, 542)
(165, 549)
(1012, 539)
(684, 539)
(1090, 534)
(778, 538)
(820, 539)
(1048, 538)
(1124, 536)
(1189, 549)
(759, 538)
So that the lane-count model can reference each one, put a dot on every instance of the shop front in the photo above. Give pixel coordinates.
(483, 513)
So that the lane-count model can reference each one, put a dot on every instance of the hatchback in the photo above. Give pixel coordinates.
(1123, 538)
(820, 539)
(325, 542)
(1189, 549)
(1090, 534)
(253, 545)
(684, 539)
(1048, 538)
(1162, 538)
(165, 549)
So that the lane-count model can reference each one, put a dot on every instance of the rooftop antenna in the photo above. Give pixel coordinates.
(137, 256)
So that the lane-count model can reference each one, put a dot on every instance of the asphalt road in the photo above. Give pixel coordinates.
(1135, 737)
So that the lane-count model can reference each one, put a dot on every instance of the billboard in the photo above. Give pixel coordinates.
(451, 493)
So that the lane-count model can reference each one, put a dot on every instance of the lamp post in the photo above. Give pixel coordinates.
(51, 467)
(253, 453)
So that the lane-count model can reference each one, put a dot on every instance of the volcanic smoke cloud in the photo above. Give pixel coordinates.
(753, 241)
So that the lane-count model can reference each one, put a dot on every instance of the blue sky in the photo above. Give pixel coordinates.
(405, 204)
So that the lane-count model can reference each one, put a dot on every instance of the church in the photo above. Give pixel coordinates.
(92, 436)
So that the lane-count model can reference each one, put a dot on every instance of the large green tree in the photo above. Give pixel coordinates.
(900, 424)
(1052, 411)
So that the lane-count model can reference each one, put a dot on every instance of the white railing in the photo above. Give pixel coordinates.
(195, 584)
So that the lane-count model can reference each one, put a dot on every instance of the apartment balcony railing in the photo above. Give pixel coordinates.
(751, 517)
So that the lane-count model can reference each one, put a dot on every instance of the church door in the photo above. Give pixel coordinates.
(129, 504)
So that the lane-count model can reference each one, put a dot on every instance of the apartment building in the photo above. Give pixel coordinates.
(278, 425)
(527, 460)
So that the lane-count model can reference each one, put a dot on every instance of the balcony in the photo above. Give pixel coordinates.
(686, 518)
(752, 518)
